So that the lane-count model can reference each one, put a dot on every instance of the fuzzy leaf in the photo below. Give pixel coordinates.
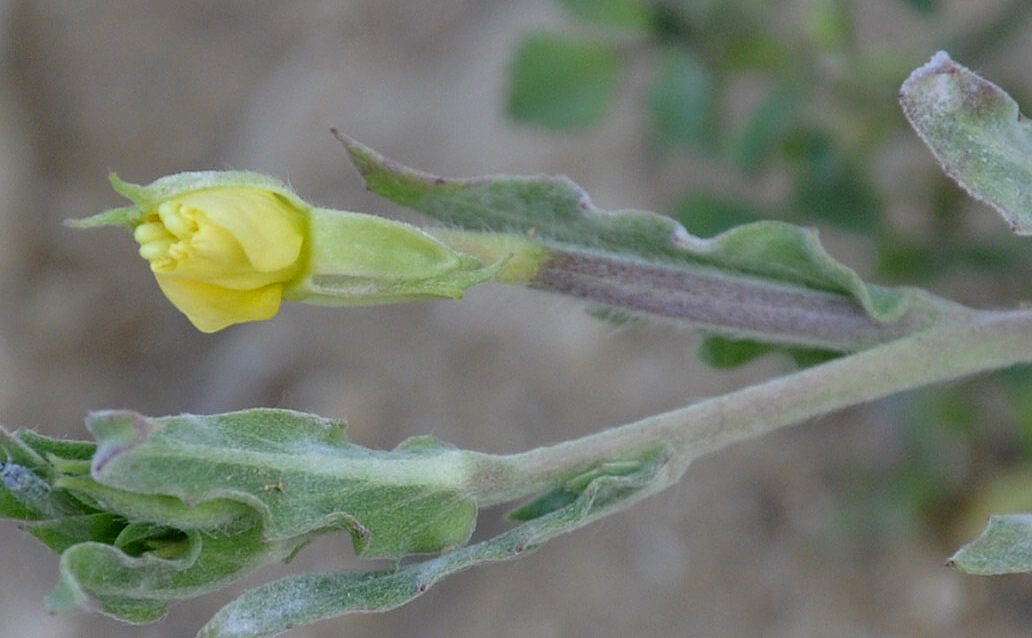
(47, 446)
(61, 533)
(976, 132)
(298, 471)
(273, 608)
(1003, 547)
(140, 589)
(557, 210)
(36, 495)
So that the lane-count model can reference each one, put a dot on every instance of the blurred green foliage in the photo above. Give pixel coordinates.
(823, 109)
(561, 83)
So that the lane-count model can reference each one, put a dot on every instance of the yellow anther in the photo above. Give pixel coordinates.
(176, 219)
(150, 231)
(156, 249)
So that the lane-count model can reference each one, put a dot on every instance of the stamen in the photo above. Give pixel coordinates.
(176, 219)
(150, 231)
(154, 249)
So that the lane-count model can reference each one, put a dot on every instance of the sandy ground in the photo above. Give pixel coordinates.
(758, 540)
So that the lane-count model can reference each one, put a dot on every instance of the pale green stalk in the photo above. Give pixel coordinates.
(988, 340)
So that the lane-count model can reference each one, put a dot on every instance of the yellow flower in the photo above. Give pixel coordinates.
(222, 254)
(228, 247)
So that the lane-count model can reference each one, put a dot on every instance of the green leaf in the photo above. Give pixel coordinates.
(47, 446)
(722, 352)
(12, 507)
(298, 471)
(830, 186)
(725, 352)
(307, 598)
(559, 82)
(140, 589)
(61, 533)
(35, 494)
(17, 451)
(1003, 547)
(555, 209)
(682, 102)
(157, 508)
(923, 6)
(759, 140)
(618, 13)
(976, 132)
(706, 215)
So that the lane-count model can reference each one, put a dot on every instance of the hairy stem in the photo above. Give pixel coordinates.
(989, 340)
(737, 305)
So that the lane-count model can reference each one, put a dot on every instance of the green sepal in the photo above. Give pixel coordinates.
(359, 259)
(146, 198)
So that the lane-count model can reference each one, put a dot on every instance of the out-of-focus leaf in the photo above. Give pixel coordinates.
(705, 215)
(757, 51)
(140, 589)
(722, 352)
(297, 600)
(762, 136)
(297, 471)
(831, 187)
(556, 209)
(725, 352)
(618, 13)
(976, 132)
(682, 102)
(924, 6)
(560, 82)
(828, 24)
(1004, 547)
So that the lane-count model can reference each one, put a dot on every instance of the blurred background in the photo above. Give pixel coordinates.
(715, 111)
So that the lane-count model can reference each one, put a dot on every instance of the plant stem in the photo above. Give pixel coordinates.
(741, 306)
(989, 340)
(708, 298)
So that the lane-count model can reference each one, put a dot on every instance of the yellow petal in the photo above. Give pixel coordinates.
(268, 228)
(211, 308)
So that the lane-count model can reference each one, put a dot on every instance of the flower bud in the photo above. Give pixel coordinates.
(228, 247)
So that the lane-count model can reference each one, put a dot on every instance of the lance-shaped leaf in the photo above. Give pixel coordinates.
(273, 608)
(1003, 547)
(48, 446)
(141, 588)
(555, 209)
(298, 471)
(977, 133)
